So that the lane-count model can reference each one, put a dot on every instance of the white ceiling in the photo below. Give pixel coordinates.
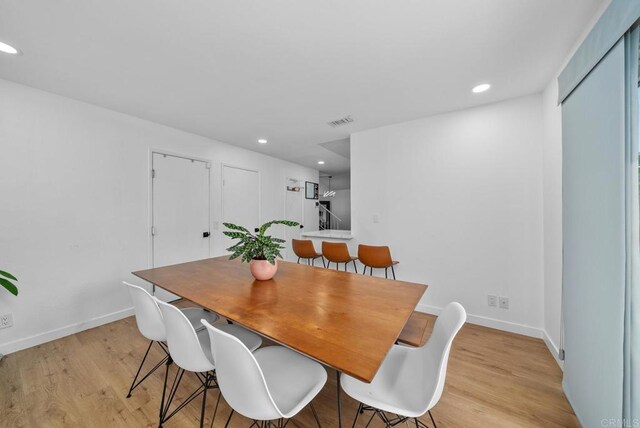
(237, 71)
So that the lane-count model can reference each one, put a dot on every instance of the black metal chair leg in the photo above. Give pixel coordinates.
(298, 260)
(370, 419)
(323, 264)
(229, 419)
(164, 388)
(215, 411)
(345, 267)
(370, 271)
(355, 267)
(432, 420)
(357, 415)
(204, 401)
(133, 384)
(393, 272)
(385, 272)
(313, 262)
(315, 415)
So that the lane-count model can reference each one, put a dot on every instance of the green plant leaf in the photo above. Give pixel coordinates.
(8, 275)
(234, 235)
(9, 286)
(235, 227)
(266, 226)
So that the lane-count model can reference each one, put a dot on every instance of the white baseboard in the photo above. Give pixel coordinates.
(553, 349)
(511, 327)
(48, 336)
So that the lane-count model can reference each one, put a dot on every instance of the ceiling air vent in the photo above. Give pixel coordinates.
(340, 122)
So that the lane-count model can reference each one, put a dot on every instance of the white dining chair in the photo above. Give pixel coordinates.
(410, 380)
(191, 352)
(272, 384)
(151, 326)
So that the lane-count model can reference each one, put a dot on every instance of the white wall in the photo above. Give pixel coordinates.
(459, 201)
(74, 181)
(339, 181)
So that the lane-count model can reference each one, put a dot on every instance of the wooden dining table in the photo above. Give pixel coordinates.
(343, 320)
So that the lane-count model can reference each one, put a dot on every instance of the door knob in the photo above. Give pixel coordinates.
(205, 234)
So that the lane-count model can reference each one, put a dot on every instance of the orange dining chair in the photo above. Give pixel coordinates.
(376, 257)
(338, 252)
(303, 248)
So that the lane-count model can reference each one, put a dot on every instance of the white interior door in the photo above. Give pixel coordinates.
(294, 211)
(180, 212)
(240, 199)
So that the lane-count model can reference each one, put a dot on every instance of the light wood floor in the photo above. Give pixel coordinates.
(495, 379)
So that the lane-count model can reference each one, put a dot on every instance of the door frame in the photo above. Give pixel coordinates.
(287, 180)
(153, 151)
(222, 184)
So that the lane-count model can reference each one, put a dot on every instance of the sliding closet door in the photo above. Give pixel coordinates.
(593, 137)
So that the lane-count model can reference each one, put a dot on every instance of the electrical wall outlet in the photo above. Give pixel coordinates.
(6, 320)
(492, 300)
(503, 302)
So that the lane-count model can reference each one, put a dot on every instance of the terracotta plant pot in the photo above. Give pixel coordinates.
(262, 270)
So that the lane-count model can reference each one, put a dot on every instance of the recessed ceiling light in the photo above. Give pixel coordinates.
(320, 162)
(8, 49)
(481, 88)
(262, 141)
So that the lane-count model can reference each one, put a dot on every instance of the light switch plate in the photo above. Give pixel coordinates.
(492, 300)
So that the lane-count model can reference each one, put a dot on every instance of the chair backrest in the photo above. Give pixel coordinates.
(303, 248)
(184, 346)
(376, 257)
(336, 252)
(148, 316)
(240, 377)
(436, 350)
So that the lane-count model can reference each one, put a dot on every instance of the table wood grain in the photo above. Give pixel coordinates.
(343, 320)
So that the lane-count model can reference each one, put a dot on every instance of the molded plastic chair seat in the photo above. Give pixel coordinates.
(194, 315)
(150, 323)
(293, 380)
(397, 387)
(410, 381)
(270, 384)
(191, 351)
(149, 318)
(249, 339)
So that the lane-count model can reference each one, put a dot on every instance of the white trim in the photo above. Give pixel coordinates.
(511, 327)
(165, 153)
(552, 348)
(287, 180)
(58, 333)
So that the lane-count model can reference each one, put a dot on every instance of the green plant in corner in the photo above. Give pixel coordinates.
(8, 285)
(256, 246)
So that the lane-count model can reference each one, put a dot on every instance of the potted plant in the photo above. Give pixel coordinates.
(5, 278)
(258, 249)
